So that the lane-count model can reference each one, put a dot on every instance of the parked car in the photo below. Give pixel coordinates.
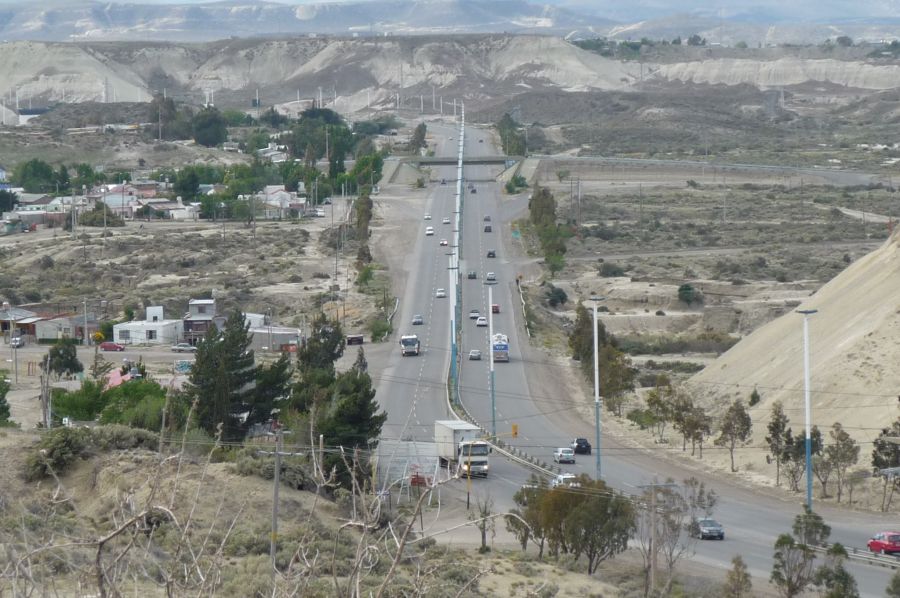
(487, 228)
(491, 277)
(564, 455)
(443, 243)
(17, 342)
(495, 308)
(429, 231)
(492, 253)
(581, 446)
(474, 314)
(418, 320)
(111, 346)
(472, 274)
(487, 218)
(356, 339)
(445, 220)
(475, 355)
(443, 181)
(184, 348)
(481, 322)
(885, 542)
(440, 293)
(564, 479)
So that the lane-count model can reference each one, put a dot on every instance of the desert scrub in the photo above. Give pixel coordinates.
(61, 447)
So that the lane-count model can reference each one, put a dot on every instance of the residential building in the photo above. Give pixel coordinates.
(196, 323)
(154, 329)
(53, 329)
(274, 338)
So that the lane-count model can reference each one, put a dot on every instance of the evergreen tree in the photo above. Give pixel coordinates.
(737, 581)
(273, 384)
(209, 128)
(4, 405)
(776, 439)
(221, 380)
(736, 428)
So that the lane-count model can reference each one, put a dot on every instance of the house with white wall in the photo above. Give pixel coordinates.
(154, 329)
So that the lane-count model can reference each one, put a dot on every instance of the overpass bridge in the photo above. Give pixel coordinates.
(505, 161)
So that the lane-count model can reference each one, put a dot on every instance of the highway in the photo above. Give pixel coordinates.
(412, 392)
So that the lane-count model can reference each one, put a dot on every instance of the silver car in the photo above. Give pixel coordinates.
(475, 355)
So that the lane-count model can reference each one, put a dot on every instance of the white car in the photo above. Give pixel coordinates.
(440, 293)
(429, 231)
(475, 355)
(474, 314)
(491, 277)
(446, 220)
(443, 242)
(481, 321)
(564, 455)
(427, 216)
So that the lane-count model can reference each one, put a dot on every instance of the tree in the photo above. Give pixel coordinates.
(792, 571)
(893, 589)
(273, 384)
(484, 508)
(8, 200)
(528, 498)
(417, 141)
(4, 404)
(187, 184)
(660, 402)
(886, 455)
(844, 41)
(600, 526)
(62, 359)
(737, 427)
(843, 452)
(221, 379)
(209, 128)
(737, 580)
(35, 176)
(776, 438)
(687, 294)
(795, 454)
(833, 577)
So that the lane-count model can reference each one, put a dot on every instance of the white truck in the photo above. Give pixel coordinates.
(500, 347)
(460, 446)
(409, 345)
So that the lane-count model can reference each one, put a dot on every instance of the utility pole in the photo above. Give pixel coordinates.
(597, 401)
(87, 337)
(491, 355)
(273, 544)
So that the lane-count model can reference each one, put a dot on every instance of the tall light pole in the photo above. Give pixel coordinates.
(491, 357)
(597, 402)
(806, 313)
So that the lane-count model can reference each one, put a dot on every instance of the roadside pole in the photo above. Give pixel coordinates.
(491, 357)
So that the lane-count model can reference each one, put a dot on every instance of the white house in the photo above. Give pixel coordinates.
(153, 330)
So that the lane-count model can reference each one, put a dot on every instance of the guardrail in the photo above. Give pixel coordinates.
(860, 555)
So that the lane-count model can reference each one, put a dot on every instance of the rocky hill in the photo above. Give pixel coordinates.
(355, 72)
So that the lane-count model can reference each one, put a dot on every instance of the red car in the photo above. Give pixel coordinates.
(111, 346)
(885, 542)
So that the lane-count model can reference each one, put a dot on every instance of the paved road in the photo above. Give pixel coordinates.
(412, 389)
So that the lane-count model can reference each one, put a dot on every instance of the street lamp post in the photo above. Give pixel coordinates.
(597, 402)
(806, 313)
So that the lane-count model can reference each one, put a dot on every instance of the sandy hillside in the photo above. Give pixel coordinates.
(853, 357)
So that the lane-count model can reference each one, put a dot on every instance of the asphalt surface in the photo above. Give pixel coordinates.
(412, 389)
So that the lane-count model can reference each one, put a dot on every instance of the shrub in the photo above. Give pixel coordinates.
(687, 294)
(610, 270)
(379, 328)
(56, 450)
(556, 296)
(660, 312)
(642, 417)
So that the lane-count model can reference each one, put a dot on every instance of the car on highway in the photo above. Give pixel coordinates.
(481, 141)
(443, 243)
(475, 355)
(492, 253)
(473, 189)
(581, 446)
(443, 181)
(487, 218)
(427, 216)
(445, 220)
(474, 314)
(418, 320)
(564, 479)
(488, 229)
(111, 346)
(885, 543)
(17, 342)
(564, 454)
(429, 230)
(184, 348)
(491, 277)
(495, 308)
(440, 293)
(472, 274)
(481, 321)
(706, 528)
